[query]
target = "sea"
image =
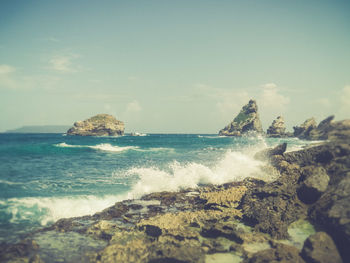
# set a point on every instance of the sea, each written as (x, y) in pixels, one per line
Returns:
(45, 177)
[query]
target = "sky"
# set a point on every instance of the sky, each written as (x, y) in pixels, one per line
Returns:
(173, 66)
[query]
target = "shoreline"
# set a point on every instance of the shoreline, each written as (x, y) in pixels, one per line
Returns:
(242, 221)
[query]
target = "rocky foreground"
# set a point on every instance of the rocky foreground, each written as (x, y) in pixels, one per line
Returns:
(302, 216)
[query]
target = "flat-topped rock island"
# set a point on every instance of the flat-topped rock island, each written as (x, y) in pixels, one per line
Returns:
(98, 125)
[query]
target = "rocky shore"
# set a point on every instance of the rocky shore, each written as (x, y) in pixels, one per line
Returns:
(247, 122)
(303, 215)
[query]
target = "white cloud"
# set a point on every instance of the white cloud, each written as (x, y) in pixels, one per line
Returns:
(6, 69)
(323, 102)
(6, 79)
(133, 107)
(271, 100)
(64, 63)
(227, 101)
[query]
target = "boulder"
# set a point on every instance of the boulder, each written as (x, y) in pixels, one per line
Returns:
(332, 211)
(277, 128)
(246, 121)
(279, 253)
(269, 152)
(315, 182)
(99, 125)
(320, 248)
(303, 131)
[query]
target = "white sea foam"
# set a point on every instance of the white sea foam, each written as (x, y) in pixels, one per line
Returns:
(9, 182)
(65, 145)
(234, 166)
(110, 148)
(50, 209)
(102, 147)
(211, 136)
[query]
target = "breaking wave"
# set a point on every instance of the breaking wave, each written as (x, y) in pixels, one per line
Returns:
(234, 166)
(102, 147)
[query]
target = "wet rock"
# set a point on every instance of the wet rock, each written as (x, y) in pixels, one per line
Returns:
(176, 252)
(303, 131)
(268, 153)
(24, 251)
(320, 248)
(271, 211)
(224, 197)
(99, 125)
(332, 212)
(135, 250)
(153, 231)
(272, 207)
(279, 253)
(277, 128)
(315, 182)
(116, 211)
(246, 121)
(222, 229)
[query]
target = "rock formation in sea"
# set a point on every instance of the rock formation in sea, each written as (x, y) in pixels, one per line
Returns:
(328, 129)
(99, 125)
(246, 121)
(303, 131)
(277, 128)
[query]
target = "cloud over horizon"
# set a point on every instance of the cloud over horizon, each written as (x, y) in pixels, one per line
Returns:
(64, 63)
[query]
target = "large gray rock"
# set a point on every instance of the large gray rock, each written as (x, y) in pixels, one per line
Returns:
(99, 125)
(332, 210)
(278, 253)
(277, 128)
(303, 131)
(320, 248)
(315, 183)
(246, 121)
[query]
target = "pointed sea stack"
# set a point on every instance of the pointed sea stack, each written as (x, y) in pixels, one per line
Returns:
(277, 128)
(246, 121)
(99, 125)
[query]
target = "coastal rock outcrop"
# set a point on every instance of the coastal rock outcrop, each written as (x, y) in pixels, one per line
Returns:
(328, 129)
(246, 121)
(303, 131)
(99, 125)
(277, 128)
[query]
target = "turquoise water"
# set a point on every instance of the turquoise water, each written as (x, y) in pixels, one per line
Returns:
(45, 177)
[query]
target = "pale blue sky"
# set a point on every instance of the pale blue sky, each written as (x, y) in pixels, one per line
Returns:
(172, 66)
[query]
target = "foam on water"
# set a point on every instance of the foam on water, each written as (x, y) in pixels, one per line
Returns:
(102, 147)
(234, 166)
(50, 209)
(9, 182)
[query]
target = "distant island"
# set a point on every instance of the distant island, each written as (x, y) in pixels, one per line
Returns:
(40, 129)
(98, 125)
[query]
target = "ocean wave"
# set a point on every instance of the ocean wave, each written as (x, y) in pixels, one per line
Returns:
(102, 147)
(9, 182)
(211, 136)
(49, 209)
(155, 149)
(234, 166)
